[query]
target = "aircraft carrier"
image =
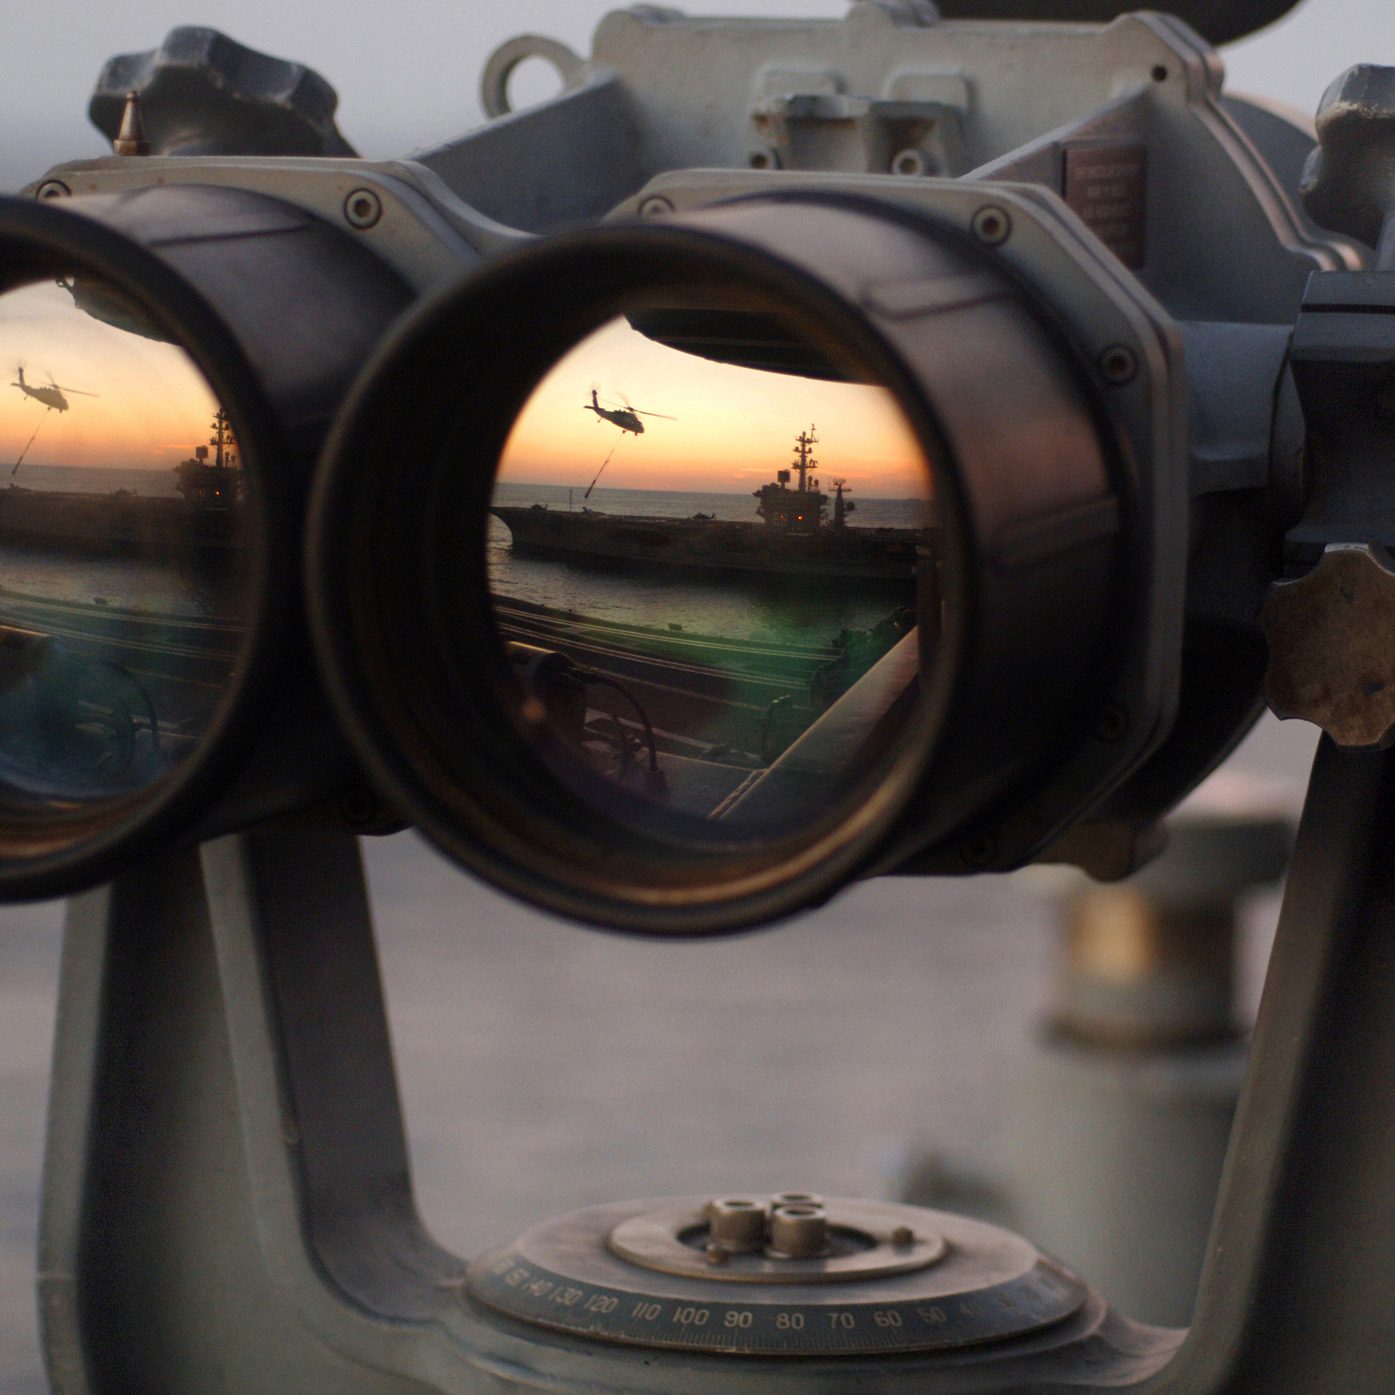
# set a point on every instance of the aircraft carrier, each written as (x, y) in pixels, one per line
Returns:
(802, 532)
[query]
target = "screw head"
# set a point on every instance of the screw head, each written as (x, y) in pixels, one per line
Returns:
(1118, 365)
(655, 206)
(362, 209)
(992, 225)
(52, 189)
(903, 1236)
(763, 158)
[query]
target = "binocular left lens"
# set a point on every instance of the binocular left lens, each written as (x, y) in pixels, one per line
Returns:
(124, 551)
(172, 357)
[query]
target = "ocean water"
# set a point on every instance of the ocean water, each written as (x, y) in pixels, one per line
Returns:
(786, 610)
(160, 483)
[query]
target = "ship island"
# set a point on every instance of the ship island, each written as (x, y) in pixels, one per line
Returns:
(801, 531)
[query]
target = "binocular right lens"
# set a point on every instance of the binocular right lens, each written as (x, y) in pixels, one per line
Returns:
(703, 564)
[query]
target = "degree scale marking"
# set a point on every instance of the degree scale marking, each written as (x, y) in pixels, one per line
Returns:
(522, 1290)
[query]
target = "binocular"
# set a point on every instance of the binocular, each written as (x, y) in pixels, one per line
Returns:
(973, 436)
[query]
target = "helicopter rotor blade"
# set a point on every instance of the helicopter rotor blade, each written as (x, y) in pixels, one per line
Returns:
(663, 416)
(77, 392)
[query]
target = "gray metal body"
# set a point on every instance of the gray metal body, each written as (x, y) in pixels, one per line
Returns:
(227, 1200)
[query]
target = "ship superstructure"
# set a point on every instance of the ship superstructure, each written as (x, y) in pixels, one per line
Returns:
(214, 483)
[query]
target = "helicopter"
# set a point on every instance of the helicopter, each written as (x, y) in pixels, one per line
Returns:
(51, 395)
(627, 418)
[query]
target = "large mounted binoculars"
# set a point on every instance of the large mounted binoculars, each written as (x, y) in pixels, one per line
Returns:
(920, 443)
(664, 667)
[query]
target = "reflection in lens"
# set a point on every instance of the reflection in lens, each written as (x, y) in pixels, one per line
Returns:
(122, 549)
(708, 600)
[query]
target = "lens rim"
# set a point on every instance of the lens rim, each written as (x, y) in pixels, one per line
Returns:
(60, 856)
(675, 890)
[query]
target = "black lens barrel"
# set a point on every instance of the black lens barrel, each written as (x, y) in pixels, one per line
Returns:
(1031, 494)
(277, 310)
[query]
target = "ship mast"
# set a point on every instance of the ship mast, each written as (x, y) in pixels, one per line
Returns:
(804, 460)
(221, 440)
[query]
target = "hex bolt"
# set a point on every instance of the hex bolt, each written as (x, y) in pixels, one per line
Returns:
(992, 225)
(798, 1232)
(903, 1237)
(1118, 365)
(717, 1254)
(735, 1226)
(655, 206)
(52, 189)
(362, 209)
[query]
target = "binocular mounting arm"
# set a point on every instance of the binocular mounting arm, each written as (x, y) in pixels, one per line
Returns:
(226, 1158)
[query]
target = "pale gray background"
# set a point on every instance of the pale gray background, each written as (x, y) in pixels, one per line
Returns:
(890, 1018)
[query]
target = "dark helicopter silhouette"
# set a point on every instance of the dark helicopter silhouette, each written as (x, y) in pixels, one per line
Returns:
(51, 395)
(627, 418)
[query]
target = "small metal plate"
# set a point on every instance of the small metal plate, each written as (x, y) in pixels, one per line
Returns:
(1107, 186)
(986, 1285)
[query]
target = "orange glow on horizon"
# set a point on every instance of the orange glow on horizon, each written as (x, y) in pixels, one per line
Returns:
(734, 426)
(148, 395)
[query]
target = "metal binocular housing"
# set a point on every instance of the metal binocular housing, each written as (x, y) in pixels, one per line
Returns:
(459, 491)
(1023, 317)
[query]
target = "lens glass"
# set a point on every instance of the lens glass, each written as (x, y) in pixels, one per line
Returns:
(713, 563)
(123, 550)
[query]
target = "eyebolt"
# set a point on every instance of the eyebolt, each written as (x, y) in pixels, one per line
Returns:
(655, 206)
(52, 189)
(362, 209)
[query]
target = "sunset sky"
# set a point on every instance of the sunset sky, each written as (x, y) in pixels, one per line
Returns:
(153, 406)
(735, 426)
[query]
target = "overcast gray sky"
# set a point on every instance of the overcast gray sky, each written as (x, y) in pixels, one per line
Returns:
(407, 71)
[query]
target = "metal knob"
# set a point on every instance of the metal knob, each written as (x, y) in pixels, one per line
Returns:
(736, 1225)
(1349, 183)
(1332, 647)
(202, 93)
(798, 1231)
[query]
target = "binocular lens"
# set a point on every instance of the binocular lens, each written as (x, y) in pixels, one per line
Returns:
(702, 564)
(123, 550)
(706, 541)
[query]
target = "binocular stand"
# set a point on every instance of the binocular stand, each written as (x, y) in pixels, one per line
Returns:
(227, 1203)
